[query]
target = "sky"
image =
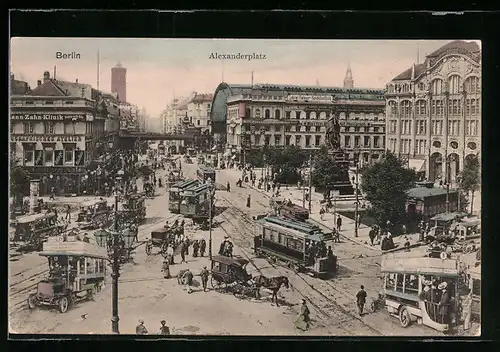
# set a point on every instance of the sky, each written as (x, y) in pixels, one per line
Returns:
(160, 69)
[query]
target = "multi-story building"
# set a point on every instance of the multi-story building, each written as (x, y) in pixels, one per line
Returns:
(56, 130)
(278, 115)
(18, 87)
(198, 111)
(434, 111)
(119, 81)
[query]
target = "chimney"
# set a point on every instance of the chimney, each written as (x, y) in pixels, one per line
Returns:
(46, 76)
(76, 80)
(38, 83)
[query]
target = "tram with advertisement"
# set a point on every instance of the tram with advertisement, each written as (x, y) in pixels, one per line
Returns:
(204, 173)
(413, 288)
(195, 202)
(289, 242)
(175, 194)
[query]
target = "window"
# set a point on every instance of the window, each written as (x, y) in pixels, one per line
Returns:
(268, 114)
(28, 127)
(367, 141)
(411, 284)
(399, 282)
(297, 140)
(420, 107)
(48, 127)
(406, 88)
(437, 86)
(288, 139)
(454, 84)
(437, 107)
(29, 153)
(421, 127)
(277, 140)
(472, 85)
(390, 280)
(11, 127)
(277, 114)
(421, 86)
(317, 140)
(313, 115)
(393, 108)
(48, 155)
(295, 244)
(376, 140)
(393, 126)
(347, 141)
(257, 113)
(308, 141)
(287, 114)
(69, 153)
(198, 122)
(390, 88)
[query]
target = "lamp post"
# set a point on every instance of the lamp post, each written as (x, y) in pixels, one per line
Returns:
(210, 205)
(310, 182)
(458, 179)
(356, 183)
(447, 182)
(116, 242)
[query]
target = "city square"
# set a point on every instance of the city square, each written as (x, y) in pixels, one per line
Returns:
(245, 208)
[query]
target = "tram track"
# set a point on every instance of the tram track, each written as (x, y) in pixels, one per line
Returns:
(329, 309)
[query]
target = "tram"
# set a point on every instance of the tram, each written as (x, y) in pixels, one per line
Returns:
(175, 194)
(289, 242)
(406, 295)
(293, 212)
(204, 173)
(195, 202)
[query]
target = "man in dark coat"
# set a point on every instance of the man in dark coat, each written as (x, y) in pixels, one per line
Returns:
(203, 247)
(141, 329)
(372, 234)
(164, 329)
(183, 252)
(204, 278)
(361, 300)
(444, 303)
(339, 223)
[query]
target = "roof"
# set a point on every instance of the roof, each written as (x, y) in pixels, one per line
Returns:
(183, 184)
(202, 98)
(18, 87)
(48, 89)
(418, 265)
(424, 192)
(447, 216)
(92, 202)
(34, 217)
(293, 227)
(419, 68)
(240, 262)
(472, 47)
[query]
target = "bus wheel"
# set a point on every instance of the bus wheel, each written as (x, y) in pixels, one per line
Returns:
(404, 317)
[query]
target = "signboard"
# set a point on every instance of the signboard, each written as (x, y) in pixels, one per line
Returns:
(34, 192)
(310, 98)
(58, 157)
(45, 117)
(45, 138)
(39, 157)
(79, 157)
(312, 123)
(54, 169)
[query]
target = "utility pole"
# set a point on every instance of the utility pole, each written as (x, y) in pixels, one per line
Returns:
(310, 182)
(210, 205)
(115, 274)
(357, 199)
(447, 181)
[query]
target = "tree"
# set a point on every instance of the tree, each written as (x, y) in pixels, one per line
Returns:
(286, 163)
(325, 172)
(470, 178)
(19, 181)
(385, 184)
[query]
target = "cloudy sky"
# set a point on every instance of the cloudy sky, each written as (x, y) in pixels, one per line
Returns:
(159, 69)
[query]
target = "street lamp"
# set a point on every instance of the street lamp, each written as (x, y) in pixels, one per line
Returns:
(356, 183)
(458, 179)
(211, 188)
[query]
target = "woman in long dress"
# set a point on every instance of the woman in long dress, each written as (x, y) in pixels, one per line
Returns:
(303, 319)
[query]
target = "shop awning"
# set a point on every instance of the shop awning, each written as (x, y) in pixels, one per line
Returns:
(417, 164)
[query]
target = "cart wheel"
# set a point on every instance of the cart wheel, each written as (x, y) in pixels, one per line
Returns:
(32, 301)
(63, 304)
(404, 317)
(163, 249)
(215, 283)
(373, 307)
(149, 246)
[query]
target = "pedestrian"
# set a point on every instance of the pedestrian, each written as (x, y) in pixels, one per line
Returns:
(339, 223)
(141, 329)
(322, 213)
(166, 269)
(52, 193)
(358, 219)
(183, 252)
(222, 247)
(407, 244)
(196, 247)
(170, 254)
(248, 201)
(203, 246)
(372, 234)
(204, 278)
(303, 319)
(444, 302)
(228, 187)
(361, 300)
(68, 213)
(188, 280)
(186, 241)
(164, 329)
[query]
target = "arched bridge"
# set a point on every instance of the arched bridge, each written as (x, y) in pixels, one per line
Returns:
(151, 136)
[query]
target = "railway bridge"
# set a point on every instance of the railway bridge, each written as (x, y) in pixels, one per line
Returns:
(131, 139)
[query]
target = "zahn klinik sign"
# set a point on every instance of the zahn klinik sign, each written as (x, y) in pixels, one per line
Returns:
(46, 117)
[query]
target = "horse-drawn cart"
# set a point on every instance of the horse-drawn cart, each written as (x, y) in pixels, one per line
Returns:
(230, 274)
(160, 238)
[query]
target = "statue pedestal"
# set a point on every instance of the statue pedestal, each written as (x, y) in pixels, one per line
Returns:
(343, 185)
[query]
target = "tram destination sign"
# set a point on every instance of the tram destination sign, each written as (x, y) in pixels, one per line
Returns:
(45, 138)
(46, 117)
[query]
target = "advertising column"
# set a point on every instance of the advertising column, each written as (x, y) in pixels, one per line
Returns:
(34, 192)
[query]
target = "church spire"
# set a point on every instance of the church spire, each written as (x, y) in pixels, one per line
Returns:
(348, 80)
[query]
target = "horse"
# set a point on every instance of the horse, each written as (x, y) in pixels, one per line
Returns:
(272, 283)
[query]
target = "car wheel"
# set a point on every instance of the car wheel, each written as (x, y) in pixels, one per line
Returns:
(404, 317)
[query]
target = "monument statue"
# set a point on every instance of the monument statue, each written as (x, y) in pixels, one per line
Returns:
(332, 136)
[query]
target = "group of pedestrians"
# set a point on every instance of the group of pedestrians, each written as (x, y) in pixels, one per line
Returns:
(141, 329)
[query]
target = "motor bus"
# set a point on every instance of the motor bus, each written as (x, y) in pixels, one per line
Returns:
(204, 173)
(289, 242)
(404, 281)
(195, 201)
(175, 194)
